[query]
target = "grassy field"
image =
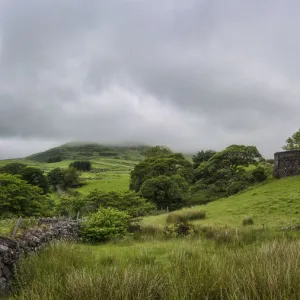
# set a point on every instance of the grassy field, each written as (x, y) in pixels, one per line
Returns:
(273, 204)
(107, 173)
(183, 268)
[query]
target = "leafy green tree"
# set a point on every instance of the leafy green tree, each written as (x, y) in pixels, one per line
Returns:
(104, 225)
(56, 177)
(35, 176)
(224, 173)
(13, 168)
(173, 164)
(157, 151)
(236, 156)
(166, 191)
(54, 159)
(130, 202)
(20, 198)
(71, 177)
(202, 156)
(81, 165)
(293, 142)
(72, 206)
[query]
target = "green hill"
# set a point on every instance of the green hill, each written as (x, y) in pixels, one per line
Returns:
(111, 165)
(273, 204)
(79, 151)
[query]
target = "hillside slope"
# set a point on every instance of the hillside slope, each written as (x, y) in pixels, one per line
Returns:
(273, 204)
(73, 151)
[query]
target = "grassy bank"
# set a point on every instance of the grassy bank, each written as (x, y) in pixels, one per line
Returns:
(273, 204)
(166, 269)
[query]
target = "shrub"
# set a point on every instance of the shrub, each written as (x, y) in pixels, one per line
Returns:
(179, 229)
(259, 174)
(248, 221)
(104, 225)
(54, 159)
(185, 216)
(81, 165)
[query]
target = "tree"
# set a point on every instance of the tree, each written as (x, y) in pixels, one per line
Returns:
(165, 192)
(130, 202)
(18, 197)
(157, 151)
(234, 157)
(71, 177)
(224, 173)
(202, 156)
(72, 206)
(293, 142)
(54, 159)
(56, 177)
(13, 168)
(81, 165)
(35, 176)
(105, 224)
(173, 164)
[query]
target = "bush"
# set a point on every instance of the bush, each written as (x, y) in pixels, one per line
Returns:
(259, 174)
(104, 225)
(248, 221)
(185, 216)
(179, 229)
(54, 159)
(81, 165)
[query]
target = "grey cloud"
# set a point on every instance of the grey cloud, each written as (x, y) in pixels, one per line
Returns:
(190, 74)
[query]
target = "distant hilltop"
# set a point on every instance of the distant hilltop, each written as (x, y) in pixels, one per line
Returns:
(77, 151)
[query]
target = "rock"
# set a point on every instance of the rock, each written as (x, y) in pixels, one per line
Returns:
(31, 241)
(3, 248)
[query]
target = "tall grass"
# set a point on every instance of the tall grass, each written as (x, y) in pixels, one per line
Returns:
(174, 269)
(185, 215)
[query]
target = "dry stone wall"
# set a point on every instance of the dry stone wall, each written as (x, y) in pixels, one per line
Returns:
(11, 250)
(287, 163)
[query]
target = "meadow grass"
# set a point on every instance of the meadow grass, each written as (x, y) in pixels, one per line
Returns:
(185, 215)
(273, 204)
(182, 268)
(108, 174)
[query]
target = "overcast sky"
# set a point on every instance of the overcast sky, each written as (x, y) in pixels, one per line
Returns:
(188, 74)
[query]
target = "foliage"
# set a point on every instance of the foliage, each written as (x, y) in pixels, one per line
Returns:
(157, 151)
(71, 177)
(72, 206)
(174, 164)
(32, 175)
(130, 202)
(293, 142)
(106, 224)
(56, 177)
(54, 159)
(35, 176)
(14, 168)
(17, 197)
(259, 174)
(81, 165)
(179, 229)
(167, 192)
(224, 174)
(202, 156)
